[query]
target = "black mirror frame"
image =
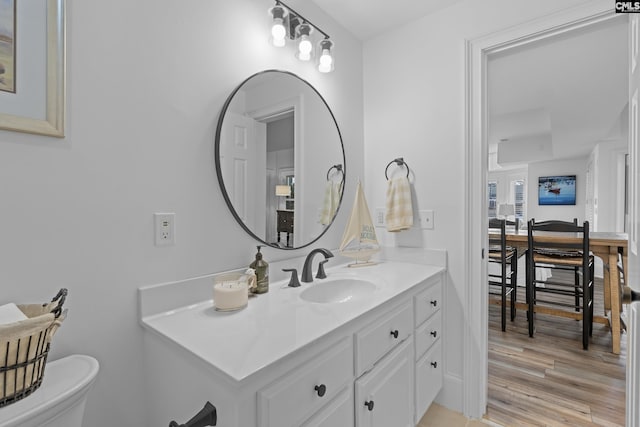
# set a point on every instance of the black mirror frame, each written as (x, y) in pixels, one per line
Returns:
(219, 169)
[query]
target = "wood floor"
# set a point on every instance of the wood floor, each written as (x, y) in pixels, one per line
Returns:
(549, 380)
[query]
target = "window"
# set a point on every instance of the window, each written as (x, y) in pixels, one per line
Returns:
(519, 198)
(493, 199)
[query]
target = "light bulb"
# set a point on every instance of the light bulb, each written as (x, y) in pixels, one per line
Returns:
(278, 32)
(326, 59)
(325, 62)
(305, 46)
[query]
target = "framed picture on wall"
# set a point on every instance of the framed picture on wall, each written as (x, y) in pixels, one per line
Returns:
(557, 190)
(32, 56)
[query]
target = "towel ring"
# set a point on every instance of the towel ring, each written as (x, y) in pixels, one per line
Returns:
(400, 162)
(338, 168)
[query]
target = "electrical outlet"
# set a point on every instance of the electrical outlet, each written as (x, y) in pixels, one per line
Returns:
(425, 219)
(379, 219)
(165, 229)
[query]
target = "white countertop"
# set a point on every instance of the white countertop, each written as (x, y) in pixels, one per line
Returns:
(279, 322)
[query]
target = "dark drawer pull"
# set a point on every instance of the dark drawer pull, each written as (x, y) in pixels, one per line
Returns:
(395, 333)
(434, 333)
(321, 389)
(369, 405)
(434, 364)
(434, 303)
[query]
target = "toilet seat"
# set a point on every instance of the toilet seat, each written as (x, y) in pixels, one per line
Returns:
(65, 382)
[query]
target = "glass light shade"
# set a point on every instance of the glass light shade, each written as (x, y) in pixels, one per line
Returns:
(325, 62)
(278, 32)
(305, 46)
(303, 56)
(283, 190)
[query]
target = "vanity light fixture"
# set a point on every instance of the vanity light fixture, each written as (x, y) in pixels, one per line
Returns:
(286, 21)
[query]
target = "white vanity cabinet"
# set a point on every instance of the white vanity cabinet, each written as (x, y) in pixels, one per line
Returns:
(384, 395)
(428, 356)
(291, 400)
(381, 367)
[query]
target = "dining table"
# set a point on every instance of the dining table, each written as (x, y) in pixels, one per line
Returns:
(607, 246)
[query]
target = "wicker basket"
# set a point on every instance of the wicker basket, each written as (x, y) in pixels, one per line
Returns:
(24, 347)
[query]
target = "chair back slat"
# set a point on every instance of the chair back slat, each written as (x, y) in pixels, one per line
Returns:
(543, 235)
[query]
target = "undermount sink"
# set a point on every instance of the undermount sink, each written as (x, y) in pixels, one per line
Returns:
(339, 290)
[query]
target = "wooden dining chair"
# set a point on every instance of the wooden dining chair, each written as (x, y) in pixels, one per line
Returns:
(548, 247)
(505, 259)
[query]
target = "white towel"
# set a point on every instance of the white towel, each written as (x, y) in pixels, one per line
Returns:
(10, 313)
(331, 201)
(399, 215)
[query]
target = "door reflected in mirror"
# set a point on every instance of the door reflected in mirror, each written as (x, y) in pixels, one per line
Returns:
(280, 159)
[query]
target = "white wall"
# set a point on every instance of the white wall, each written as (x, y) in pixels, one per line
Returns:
(414, 88)
(609, 170)
(145, 83)
(577, 167)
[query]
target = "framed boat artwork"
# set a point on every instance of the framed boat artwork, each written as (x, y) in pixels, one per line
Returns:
(32, 66)
(557, 190)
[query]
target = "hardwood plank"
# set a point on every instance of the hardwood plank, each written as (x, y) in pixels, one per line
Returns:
(549, 380)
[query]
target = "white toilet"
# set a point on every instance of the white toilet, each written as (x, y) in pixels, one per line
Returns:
(60, 400)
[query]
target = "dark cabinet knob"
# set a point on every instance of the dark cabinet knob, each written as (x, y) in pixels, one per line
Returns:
(321, 389)
(395, 333)
(369, 405)
(434, 303)
(434, 364)
(434, 333)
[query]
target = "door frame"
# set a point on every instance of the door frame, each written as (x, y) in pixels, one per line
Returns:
(475, 358)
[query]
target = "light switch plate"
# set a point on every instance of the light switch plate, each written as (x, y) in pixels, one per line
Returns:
(425, 219)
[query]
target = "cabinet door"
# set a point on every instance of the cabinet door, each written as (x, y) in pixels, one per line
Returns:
(384, 396)
(428, 379)
(337, 413)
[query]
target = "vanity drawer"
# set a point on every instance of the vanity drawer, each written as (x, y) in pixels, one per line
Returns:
(428, 334)
(428, 379)
(428, 302)
(291, 400)
(382, 336)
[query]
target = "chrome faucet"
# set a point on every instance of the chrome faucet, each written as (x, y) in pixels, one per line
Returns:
(307, 275)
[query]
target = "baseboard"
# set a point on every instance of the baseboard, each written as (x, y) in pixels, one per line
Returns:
(451, 395)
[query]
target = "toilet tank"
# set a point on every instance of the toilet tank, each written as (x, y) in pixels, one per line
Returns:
(60, 400)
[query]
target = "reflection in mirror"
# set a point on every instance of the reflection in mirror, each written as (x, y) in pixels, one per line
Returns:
(280, 159)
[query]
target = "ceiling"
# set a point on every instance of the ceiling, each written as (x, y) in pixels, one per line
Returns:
(369, 18)
(551, 99)
(558, 98)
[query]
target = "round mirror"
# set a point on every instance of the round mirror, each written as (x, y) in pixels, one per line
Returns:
(280, 159)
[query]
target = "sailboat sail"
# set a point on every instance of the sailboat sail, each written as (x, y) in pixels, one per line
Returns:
(359, 239)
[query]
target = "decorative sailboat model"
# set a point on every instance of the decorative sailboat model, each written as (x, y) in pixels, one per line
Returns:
(359, 239)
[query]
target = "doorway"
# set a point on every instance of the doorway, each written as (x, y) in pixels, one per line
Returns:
(478, 52)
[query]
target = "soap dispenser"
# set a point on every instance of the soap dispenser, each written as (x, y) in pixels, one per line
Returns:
(261, 267)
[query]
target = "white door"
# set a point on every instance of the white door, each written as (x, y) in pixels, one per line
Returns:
(243, 159)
